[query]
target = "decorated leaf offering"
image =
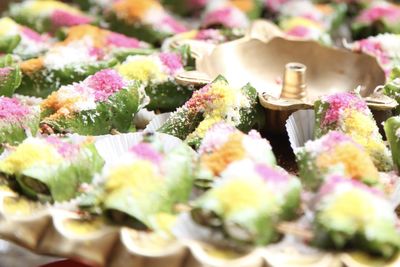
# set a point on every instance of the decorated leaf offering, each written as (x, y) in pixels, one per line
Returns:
(351, 215)
(102, 103)
(47, 15)
(17, 121)
(143, 183)
(61, 65)
(378, 17)
(335, 153)
(216, 102)
(85, 50)
(156, 73)
(224, 145)
(348, 113)
(51, 169)
(10, 75)
(248, 202)
(21, 40)
(383, 47)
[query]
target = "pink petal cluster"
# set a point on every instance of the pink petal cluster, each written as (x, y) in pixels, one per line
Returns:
(340, 102)
(224, 16)
(147, 152)
(374, 48)
(66, 149)
(210, 35)
(200, 99)
(299, 31)
(173, 24)
(216, 137)
(5, 72)
(32, 35)
(105, 83)
(12, 110)
(389, 13)
(270, 174)
(334, 181)
(120, 40)
(172, 61)
(97, 52)
(61, 18)
(333, 138)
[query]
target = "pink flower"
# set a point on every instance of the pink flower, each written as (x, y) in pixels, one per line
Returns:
(32, 35)
(334, 181)
(5, 71)
(120, 40)
(147, 152)
(340, 102)
(299, 31)
(172, 61)
(105, 83)
(200, 99)
(389, 13)
(270, 174)
(61, 18)
(226, 16)
(333, 138)
(217, 135)
(12, 110)
(173, 24)
(66, 149)
(96, 52)
(210, 35)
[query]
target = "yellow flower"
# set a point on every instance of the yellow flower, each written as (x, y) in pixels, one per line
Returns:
(140, 174)
(291, 23)
(7, 25)
(142, 69)
(363, 130)
(29, 154)
(225, 103)
(238, 194)
(48, 6)
(351, 205)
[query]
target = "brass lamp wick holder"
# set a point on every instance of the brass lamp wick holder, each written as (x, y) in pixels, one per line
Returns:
(294, 81)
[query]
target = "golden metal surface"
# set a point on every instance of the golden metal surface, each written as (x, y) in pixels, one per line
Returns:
(329, 70)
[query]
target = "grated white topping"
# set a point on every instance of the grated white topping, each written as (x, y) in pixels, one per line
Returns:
(74, 54)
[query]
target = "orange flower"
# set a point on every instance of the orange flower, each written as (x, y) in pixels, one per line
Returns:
(80, 32)
(134, 10)
(356, 162)
(231, 151)
(61, 109)
(244, 5)
(32, 65)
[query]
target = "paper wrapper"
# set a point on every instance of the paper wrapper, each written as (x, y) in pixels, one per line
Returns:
(157, 122)
(300, 128)
(111, 147)
(143, 118)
